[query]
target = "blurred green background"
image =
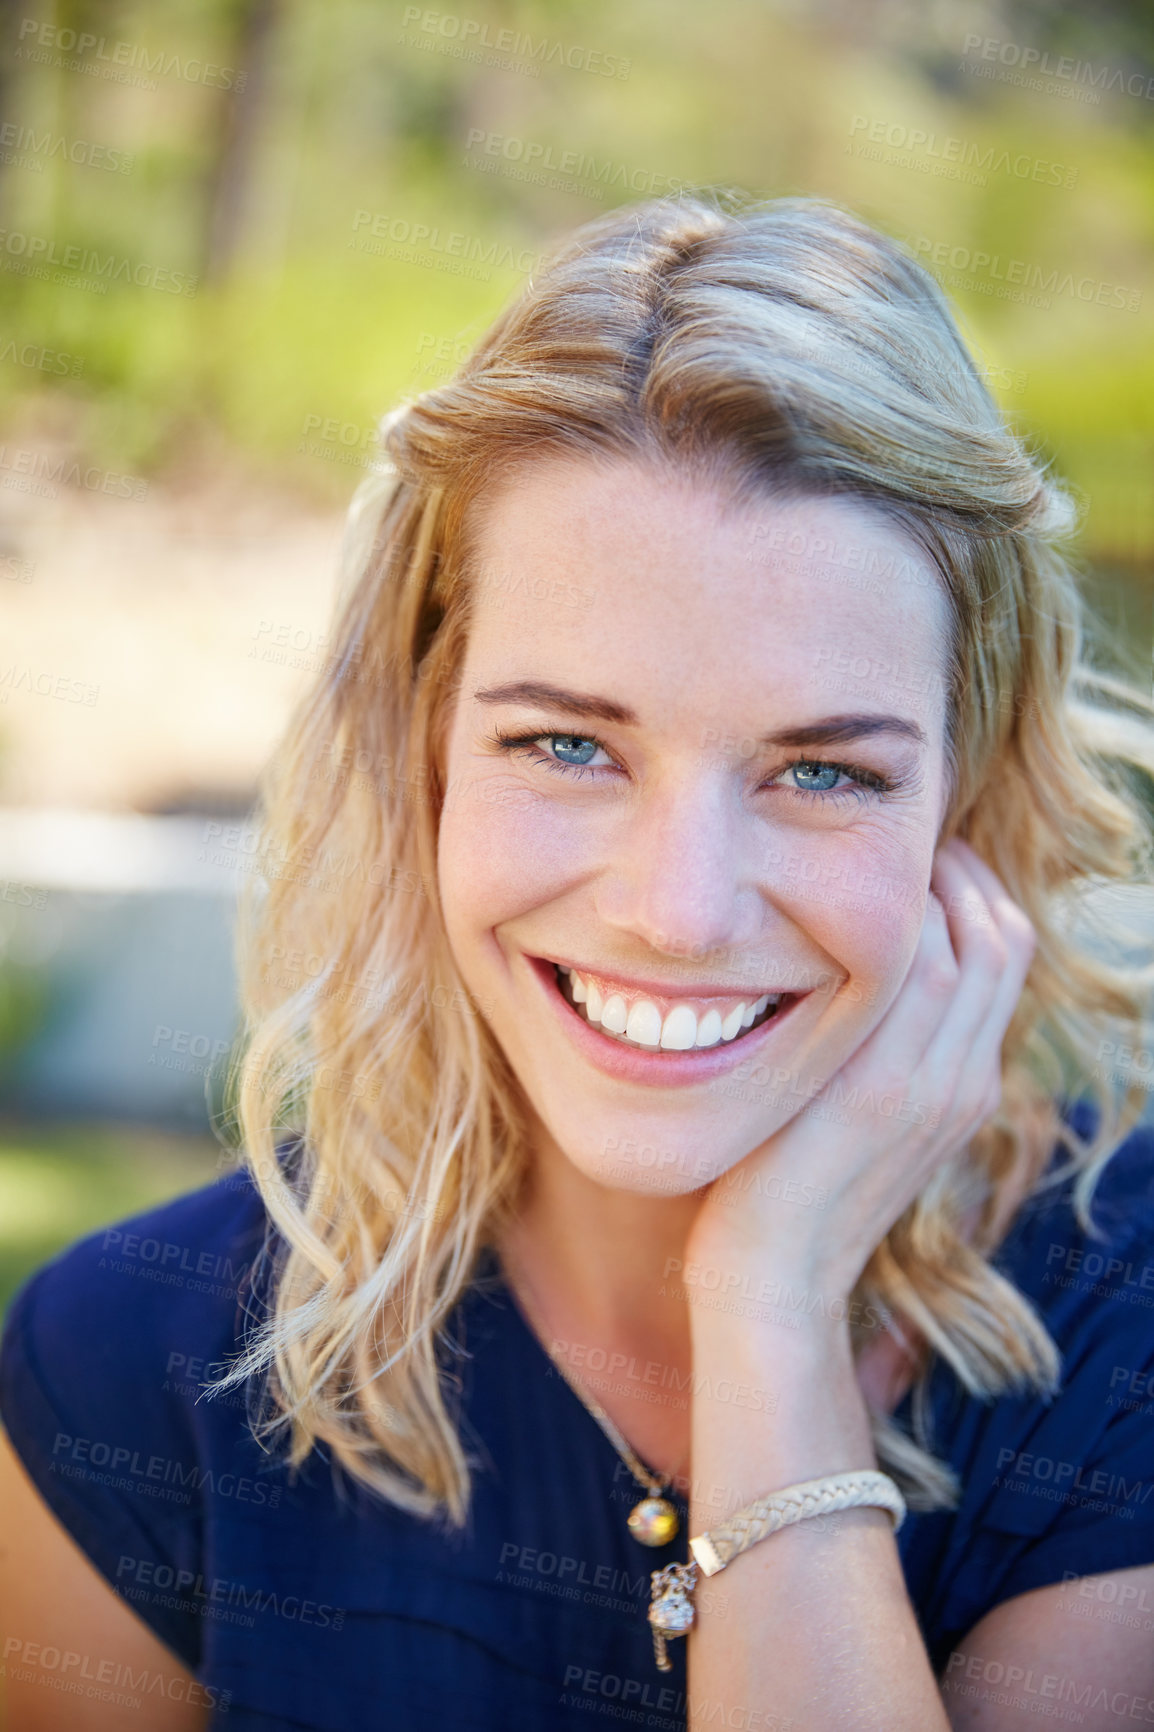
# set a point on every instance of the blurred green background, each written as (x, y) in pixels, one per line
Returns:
(234, 232)
(60, 1182)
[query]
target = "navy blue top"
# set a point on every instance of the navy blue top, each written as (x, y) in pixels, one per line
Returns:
(312, 1604)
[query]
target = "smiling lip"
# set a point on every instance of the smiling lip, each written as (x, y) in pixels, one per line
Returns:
(660, 1067)
(673, 992)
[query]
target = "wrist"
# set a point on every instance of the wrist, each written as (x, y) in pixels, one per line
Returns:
(800, 1338)
(812, 1420)
(739, 1258)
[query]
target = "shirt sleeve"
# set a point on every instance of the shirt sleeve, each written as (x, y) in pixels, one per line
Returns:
(1107, 1519)
(82, 1404)
(1094, 1468)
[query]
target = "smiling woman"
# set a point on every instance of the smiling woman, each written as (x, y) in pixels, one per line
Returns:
(689, 1118)
(698, 858)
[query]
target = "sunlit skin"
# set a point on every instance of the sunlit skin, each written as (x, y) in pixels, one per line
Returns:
(682, 854)
(688, 857)
(693, 851)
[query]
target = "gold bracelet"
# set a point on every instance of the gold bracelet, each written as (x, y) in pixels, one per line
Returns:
(671, 1612)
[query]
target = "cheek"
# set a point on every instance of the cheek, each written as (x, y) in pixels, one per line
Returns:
(887, 940)
(501, 852)
(866, 908)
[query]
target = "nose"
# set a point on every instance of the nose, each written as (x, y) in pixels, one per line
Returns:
(681, 873)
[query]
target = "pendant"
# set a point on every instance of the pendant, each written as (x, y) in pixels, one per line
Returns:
(671, 1611)
(653, 1521)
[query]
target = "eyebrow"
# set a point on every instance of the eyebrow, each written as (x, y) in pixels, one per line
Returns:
(833, 731)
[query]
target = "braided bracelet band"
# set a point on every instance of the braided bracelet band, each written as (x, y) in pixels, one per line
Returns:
(812, 1497)
(672, 1612)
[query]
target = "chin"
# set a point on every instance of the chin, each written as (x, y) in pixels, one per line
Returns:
(657, 1162)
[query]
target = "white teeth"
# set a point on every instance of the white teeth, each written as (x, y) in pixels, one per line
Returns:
(681, 1030)
(644, 1025)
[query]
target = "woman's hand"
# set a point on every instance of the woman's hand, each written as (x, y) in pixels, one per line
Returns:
(937, 1051)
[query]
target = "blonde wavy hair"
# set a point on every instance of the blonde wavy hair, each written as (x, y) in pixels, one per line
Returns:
(780, 344)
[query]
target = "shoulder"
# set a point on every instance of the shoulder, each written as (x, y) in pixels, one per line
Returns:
(1094, 1290)
(103, 1354)
(1067, 1268)
(135, 1303)
(1059, 1486)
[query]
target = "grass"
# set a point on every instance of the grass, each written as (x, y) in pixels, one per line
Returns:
(60, 1182)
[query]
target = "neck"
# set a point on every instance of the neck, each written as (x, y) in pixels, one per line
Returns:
(596, 1259)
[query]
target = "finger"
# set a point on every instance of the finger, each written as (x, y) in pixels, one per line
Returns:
(958, 886)
(986, 1056)
(964, 1055)
(1010, 915)
(897, 1046)
(1011, 920)
(951, 1057)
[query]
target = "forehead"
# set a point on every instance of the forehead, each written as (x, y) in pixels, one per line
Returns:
(652, 580)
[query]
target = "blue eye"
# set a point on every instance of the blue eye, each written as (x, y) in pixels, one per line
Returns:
(574, 752)
(579, 745)
(809, 767)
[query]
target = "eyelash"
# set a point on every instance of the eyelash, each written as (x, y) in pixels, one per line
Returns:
(868, 784)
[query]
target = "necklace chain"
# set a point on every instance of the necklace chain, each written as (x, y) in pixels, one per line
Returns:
(654, 1483)
(653, 1522)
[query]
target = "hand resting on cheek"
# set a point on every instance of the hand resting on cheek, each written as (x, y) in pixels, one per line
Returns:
(937, 1047)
